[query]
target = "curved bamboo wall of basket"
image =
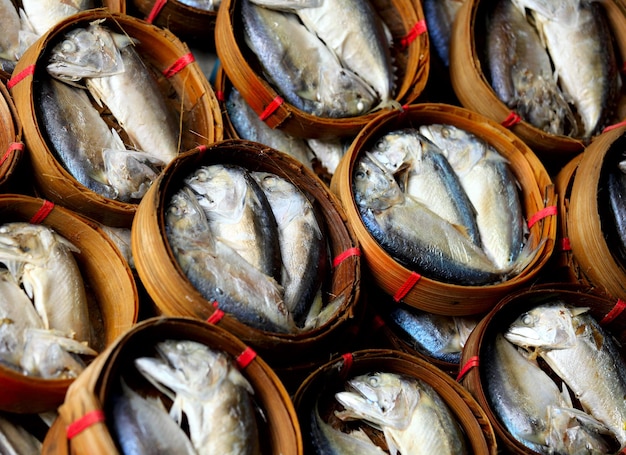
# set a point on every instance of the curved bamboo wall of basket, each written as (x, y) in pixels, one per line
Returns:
(239, 63)
(201, 116)
(474, 91)
(11, 146)
(280, 432)
(537, 192)
(330, 377)
(174, 295)
(109, 282)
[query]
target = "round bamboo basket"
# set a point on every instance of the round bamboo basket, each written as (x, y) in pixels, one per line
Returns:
(592, 249)
(110, 287)
(404, 19)
(279, 428)
(502, 316)
(187, 92)
(330, 378)
(474, 91)
(11, 145)
(537, 193)
(173, 293)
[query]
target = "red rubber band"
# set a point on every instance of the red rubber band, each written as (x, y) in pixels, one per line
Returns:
(28, 71)
(156, 9)
(84, 422)
(42, 213)
(219, 94)
(245, 358)
(13, 147)
(377, 323)
(618, 309)
(418, 29)
(179, 65)
(541, 214)
(612, 127)
(511, 120)
(471, 363)
(565, 244)
(271, 108)
(346, 366)
(407, 286)
(354, 251)
(216, 316)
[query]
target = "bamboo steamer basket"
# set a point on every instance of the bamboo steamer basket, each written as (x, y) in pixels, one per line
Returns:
(474, 91)
(603, 309)
(11, 145)
(407, 25)
(110, 287)
(537, 195)
(279, 430)
(591, 249)
(329, 378)
(186, 90)
(173, 293)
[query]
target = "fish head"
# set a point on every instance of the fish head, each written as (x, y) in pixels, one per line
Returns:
(87, 52)
(185, 216)
(345, 93)
(397, 149)
(547, 326)
(374, 186)
(461, 148)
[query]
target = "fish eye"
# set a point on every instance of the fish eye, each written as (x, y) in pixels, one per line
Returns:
(373, 381)
(527, 319)
(360, 175)
(68, 46)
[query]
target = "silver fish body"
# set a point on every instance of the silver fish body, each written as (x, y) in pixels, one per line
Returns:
(249, 126)
(205, 5)
(303, 69)
(411, 414)
(207, 388)
(328, 152)
(117, 77)
(577, 36)
(10, 37)
(302, 243)
(521, 72)
(578, 350)
(142, 425)
(43, 15)
(16, 440)
(43, 262)
(440, 15)
(130, 172)
(414, 235)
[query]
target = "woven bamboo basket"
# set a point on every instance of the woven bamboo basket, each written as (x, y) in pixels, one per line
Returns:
(509, 308)
(330, 378)
(592, 249)
(537, 194)
(187, 91)
(11, 145)
(405, 20)
(109, 283)
(474, 91)
(279, 428)
(173, 293)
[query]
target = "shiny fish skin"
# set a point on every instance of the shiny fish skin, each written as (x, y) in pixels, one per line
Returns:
(411, 414)
(521, 72)
(413, 234)
(565, 336)
(303, 69)
(616, 195)
(124, 85)
(9, 38)
(16, 440)
(302, 243)
(440, 15)
(43, 15)
(577, 36)
(207, 388)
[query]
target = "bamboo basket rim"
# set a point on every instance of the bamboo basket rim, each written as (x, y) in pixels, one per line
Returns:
(11, 156)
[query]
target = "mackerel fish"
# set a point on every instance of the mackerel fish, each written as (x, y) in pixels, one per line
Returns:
(578, 38)
(412, 416)
(305, 71)
(118, 78)
(440, 15)
(582, 354)
(521, 71)
(42, 15)
(206, 387)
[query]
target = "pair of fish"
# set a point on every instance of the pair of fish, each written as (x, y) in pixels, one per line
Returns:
(409, 412)
(44, 312)
(444, 202)
(553, 63)
(579, 352)
(250, 241)
(206, 390)
(116, 77)
(329, 59)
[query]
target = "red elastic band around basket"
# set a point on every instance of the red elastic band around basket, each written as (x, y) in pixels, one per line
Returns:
(471, 363)
(541, 214)
(84, 422)
(178, 65)
(612, 127)
(565, 245)
(13, 147)
(354, 251)
(216, 316)
(271, 108)
(511, 120)
(618, 309)
(28, 71)
(156, 9)
(406, 287)
(348, 360)
(246, 357)
(42, 213)
(418, 29)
